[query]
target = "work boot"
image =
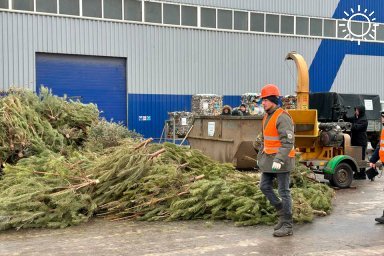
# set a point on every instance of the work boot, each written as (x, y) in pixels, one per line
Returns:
(279, 211)
(380, 219)
(286, 228)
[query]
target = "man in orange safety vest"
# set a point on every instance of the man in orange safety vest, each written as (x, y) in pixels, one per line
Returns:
(276, 158)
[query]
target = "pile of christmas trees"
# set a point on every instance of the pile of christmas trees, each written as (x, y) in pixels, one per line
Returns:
(45, 191)
(63, 165)
(43, 181)
(167, 182)
(31, 124)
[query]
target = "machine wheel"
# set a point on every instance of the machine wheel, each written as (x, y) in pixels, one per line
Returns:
(343, 176)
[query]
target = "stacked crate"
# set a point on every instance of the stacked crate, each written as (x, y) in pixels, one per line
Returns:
(253, 103)
(207, 104)
(289, 102)
(181, 122)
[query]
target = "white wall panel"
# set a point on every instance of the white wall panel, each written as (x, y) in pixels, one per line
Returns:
(360, 74)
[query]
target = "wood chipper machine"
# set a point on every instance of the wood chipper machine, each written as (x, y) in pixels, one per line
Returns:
(323, 147)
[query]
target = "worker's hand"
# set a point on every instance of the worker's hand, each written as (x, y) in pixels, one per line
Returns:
(276, 166)
(372, 165)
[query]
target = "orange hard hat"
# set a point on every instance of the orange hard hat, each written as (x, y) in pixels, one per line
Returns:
(270, 90)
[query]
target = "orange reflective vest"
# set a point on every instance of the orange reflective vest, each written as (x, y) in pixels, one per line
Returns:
(381, 151)
(272, 141)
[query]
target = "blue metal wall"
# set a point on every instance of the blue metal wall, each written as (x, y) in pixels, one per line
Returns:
(100, 80)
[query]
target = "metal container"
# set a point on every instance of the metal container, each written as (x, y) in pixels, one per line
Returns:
(227, 139)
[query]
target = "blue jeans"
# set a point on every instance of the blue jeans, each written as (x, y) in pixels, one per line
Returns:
(266, 187)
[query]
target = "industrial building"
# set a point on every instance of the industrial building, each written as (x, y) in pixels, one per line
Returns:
(138, 60)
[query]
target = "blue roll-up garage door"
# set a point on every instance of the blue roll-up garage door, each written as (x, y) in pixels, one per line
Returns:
(100, 80)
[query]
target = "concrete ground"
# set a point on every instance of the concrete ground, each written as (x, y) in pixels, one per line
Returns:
(349, 230)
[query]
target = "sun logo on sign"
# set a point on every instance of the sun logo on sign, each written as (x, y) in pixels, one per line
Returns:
(367, 32)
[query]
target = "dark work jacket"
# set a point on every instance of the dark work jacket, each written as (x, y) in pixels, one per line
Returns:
(359, 127)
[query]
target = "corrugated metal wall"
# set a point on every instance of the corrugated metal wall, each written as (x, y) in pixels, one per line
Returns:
(366, 72)
(161, 60)
(181, 61)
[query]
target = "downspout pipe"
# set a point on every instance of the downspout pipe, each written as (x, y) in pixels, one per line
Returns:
(302, 89)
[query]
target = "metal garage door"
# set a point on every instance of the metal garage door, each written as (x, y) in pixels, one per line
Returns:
(100, 80)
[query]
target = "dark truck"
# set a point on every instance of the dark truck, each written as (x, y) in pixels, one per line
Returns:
(332, 106)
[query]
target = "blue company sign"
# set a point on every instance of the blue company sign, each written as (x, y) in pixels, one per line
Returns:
(331, 53)
(144, 118)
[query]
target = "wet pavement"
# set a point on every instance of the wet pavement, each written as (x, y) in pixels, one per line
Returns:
(349, 230)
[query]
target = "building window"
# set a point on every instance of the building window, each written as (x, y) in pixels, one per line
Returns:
(366, 29)
(152, 12)
(188, 16)
(132, 10)
(316, 27)
(208, 17)
(287, 24)
(240, 20)
(24, 5)
(329, 28)
(4, 4)
(171, 14)
(342, 30)
(302, 26)
(92, 8)
(112, 9)
(46, 6)
(224, 19)
(380, 33)
(70, 7)
(272, 23)
(257, 22)
(369, 31)
(357, 28)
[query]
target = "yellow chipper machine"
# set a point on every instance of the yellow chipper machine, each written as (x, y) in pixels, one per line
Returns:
(323, 147)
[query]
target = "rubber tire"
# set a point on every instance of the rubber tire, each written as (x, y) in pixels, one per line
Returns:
(343, 176)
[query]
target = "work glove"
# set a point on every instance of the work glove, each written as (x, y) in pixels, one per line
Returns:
(276, 166)
(372, 165)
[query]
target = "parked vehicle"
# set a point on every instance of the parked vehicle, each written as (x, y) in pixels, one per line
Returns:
(332, 106)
